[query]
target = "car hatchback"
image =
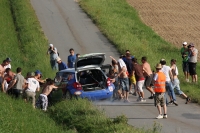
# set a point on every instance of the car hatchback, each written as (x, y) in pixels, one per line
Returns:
(87, 78)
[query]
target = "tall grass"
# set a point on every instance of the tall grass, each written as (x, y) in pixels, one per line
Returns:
(121, 24)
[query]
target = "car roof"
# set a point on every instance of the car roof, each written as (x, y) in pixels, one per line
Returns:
(72, 70)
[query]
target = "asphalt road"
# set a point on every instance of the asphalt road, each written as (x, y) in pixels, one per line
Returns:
(67, 26)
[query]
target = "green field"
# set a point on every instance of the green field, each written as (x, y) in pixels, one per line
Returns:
(120, 23)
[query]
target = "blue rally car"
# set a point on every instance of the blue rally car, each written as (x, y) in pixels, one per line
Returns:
(87, 79)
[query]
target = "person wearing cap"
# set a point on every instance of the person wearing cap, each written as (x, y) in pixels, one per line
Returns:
(32, 87)
(169, 79)
(185, 66)
(38, 76)
(193, 54)
(71, 58)
(159, 80)
(53, 56)
(8, 60)
(61, 65)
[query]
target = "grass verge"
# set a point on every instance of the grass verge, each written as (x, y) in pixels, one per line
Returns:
(21, 37)
(120, 23)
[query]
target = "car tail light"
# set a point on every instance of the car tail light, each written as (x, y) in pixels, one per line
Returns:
(77, 86)
(108, 82)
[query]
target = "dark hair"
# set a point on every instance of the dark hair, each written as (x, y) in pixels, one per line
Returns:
(4, 61)
(162, 62)
(48, 80)
(127, 51)
(19, 70)
(71, 49)
(144, 58)
(114, 62)
(121, 56)
(7, 70)
(77, 54)
(51, 82)
(134, 60)
(173, 60)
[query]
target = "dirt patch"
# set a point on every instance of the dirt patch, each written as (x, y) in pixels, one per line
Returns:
(174, 20)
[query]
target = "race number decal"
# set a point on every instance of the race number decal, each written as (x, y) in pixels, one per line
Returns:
(110, 88)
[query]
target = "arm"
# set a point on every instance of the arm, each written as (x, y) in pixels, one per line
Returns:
(113, 59)
(12, 84)
(3, 83)
(122, 70)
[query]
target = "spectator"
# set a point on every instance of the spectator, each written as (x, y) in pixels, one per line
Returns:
(138, 72)
(148, 76)
(17, 84)
(159, 88)
(129, 66)
(176, 82)
(77, 55)
(123, 78)
(8, 77)
(8, 60)
(193, 52)
(53, 56)
(42, 101)
(32, 87)
(61, 65)
(185, 66)
(71, 58)
(2, 70)
(167, 71)
(38, 77)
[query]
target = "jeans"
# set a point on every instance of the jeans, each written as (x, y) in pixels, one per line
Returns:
(54, 64)
(17, 92)
(177, 86)
(124, 82)
(170, 90)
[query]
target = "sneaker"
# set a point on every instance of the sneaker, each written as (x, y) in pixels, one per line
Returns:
(130, 92)
(139, 99)
(135, 94)
(174, 102)
(143, 100)
(126, 101)
(187, 100)
(151, 97)
(170, 102)
(159, 117)
(165, 116)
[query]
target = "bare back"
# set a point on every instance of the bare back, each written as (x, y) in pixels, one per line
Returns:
(147, 68)
(48, 89)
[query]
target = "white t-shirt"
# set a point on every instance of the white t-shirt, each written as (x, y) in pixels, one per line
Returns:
(33, 84)
(166, 69)
(7, 66)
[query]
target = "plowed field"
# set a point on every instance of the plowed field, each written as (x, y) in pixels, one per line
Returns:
(174, 20)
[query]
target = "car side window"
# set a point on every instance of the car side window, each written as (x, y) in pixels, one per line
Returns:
(64, 77)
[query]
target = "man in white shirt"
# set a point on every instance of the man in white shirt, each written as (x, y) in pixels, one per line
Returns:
(167, 71)
(32, 87)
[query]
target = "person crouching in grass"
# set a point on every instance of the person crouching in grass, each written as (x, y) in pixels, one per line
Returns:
(42, 101)
(159, 89)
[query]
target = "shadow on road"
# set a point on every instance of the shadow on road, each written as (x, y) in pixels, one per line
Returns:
(191, 116)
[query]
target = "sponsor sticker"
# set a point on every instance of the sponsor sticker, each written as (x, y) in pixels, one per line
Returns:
(110, 88)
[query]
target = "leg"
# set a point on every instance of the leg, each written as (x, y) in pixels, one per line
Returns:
(159, 109)
(165, 109)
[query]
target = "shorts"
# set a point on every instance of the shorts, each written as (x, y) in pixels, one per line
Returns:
(132, 80)
(42, 102)
(160, 99)
(139, 85)
(185, 67)
(192, 68)
(124, 82)
(148, 81)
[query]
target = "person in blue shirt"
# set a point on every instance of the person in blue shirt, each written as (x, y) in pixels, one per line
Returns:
(61, 65)
(71, 58)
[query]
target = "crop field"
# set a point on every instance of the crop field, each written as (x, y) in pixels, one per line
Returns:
(174, 20)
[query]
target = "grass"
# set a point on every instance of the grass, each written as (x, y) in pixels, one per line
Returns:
(21, 38)
(19, 117)
(120, 23)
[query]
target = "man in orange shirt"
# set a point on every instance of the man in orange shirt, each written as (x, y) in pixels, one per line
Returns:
(159, 89)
